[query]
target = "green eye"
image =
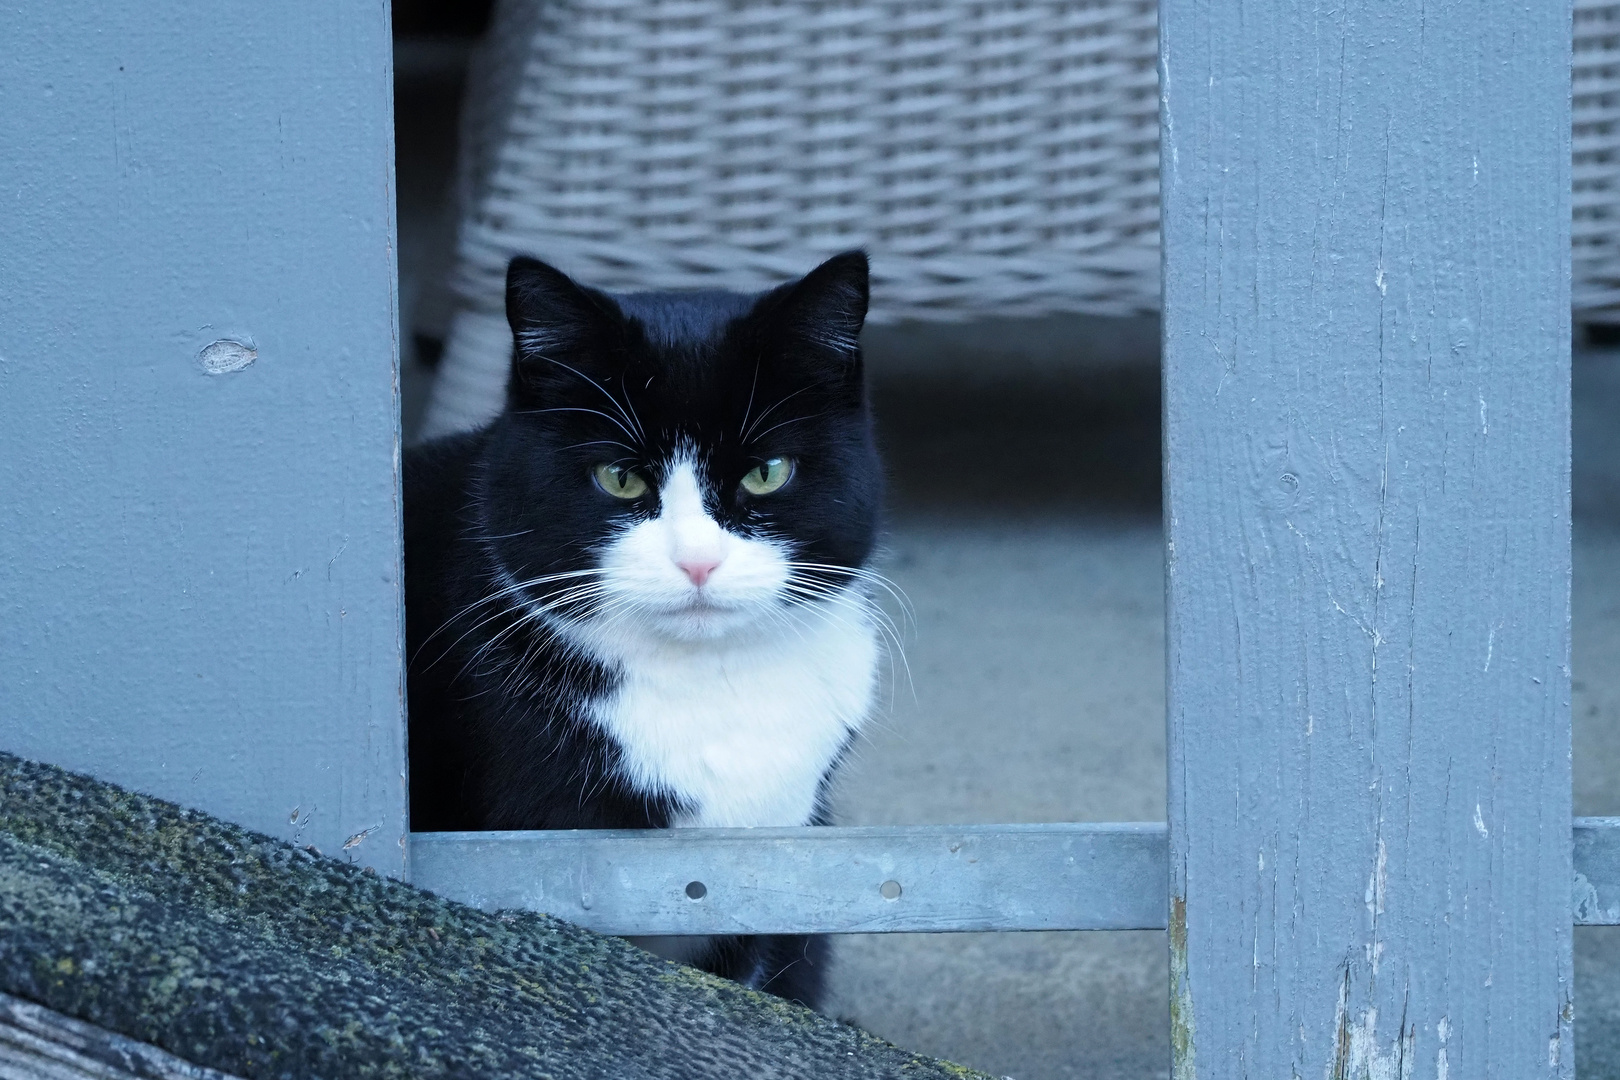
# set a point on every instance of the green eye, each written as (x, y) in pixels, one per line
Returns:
(768, 476)
(620, 481)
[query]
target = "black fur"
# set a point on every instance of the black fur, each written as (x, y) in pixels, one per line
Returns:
(498, 739)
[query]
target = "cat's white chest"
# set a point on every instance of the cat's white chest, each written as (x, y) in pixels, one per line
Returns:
(742, 732)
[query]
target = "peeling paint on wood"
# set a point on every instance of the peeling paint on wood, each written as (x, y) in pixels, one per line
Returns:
(1183, 1026)
(1596, 896)
(1367, 508)
(224, 357)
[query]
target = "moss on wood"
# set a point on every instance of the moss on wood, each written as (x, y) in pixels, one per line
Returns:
(242, 953)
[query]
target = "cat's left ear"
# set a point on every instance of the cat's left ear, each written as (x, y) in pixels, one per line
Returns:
(549, 312)
(821, 314)
(559, 328)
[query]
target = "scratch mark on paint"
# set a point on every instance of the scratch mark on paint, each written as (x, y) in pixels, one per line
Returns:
(333, 560)
(359, 838)
(1442, 1060)
(1479, 822)
(1566, 1025)
(1484, 427)
(1377, 881)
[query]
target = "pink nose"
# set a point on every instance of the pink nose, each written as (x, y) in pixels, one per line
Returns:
(698, 570)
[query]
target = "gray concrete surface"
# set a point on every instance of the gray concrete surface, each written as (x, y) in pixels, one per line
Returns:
(1024, 463)
(1024, 472)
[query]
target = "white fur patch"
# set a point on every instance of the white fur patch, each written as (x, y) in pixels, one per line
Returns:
(730, 698)
(644, 572)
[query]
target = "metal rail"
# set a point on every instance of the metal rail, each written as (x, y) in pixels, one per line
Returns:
(905, 879)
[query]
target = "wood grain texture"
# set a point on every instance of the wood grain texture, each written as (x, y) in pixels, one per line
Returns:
(200, 543)
(1366, 222)
(37, 1043)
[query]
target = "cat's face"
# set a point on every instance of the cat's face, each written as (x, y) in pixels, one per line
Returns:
(690, 466)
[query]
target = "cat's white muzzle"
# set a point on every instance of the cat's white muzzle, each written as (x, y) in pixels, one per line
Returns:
(682, 575)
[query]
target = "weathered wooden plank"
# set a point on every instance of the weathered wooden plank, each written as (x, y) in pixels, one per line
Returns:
(264, 960)
(37, 1043)
(814, 880)
(199, 531)
(1366, 228)
(978, 877)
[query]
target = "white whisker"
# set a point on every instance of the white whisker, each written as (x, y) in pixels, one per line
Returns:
(629, 416)
(509, 589)
(761, 418)
(785, 423)
(592, 412)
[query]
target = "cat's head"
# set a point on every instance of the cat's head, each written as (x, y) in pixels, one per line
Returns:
(691, 465)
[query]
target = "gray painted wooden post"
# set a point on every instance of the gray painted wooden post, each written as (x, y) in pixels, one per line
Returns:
(199, 538)
(1366, 227)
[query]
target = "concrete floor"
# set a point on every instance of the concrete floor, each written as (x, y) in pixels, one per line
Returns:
(1026, 532)
(1025, 475)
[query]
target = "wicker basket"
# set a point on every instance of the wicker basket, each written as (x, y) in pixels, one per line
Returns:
(997, 157)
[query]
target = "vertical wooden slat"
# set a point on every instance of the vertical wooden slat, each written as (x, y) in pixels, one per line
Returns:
(200, 560)
(1366, 222)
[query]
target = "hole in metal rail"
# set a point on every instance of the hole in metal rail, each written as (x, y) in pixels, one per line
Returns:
(890, 890)
(696, 890)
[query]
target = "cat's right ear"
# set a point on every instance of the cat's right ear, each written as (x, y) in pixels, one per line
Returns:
(554, 319)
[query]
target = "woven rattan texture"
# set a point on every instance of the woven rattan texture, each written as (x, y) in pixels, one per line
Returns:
(996, 157)
(1595, 173)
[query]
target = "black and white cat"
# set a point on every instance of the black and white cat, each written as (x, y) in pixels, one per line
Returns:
(639, 598)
